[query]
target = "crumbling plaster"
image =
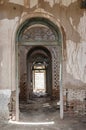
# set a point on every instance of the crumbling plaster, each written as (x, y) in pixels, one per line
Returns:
(4, 100)
(36, 2)
(71, 18)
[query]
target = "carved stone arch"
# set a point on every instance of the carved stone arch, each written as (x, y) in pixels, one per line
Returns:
(51, 23)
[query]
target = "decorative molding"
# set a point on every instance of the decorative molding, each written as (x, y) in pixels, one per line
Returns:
(38, 33)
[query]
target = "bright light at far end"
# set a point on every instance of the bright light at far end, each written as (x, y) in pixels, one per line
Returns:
(31, 123)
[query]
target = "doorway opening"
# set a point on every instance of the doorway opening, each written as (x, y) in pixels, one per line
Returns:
(39, 72)
(39, 79)
(38, 67)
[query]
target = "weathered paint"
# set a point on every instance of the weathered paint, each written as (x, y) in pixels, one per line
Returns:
(20, 2)
(76, 62)
(71, 17)
(4, 101)
(7, 54)
(61, 2)
(81, 28)
(35, 2)
(73, 21)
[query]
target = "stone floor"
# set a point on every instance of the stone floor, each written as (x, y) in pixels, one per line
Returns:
(43, 114)
(69, 123)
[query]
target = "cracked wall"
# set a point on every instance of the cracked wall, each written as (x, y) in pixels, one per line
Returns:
(73, 22)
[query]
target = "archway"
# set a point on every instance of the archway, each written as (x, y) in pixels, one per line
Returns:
(39, 61)
(40, 41)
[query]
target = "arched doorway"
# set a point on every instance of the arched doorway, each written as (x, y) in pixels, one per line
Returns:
(38, 46)
(39, 71)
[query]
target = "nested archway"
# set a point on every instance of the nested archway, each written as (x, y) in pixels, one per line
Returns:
(32, 34)
(39, 56)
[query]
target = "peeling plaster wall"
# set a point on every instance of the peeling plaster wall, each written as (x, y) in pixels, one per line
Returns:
(51, 2)
(76, 63)
(4, 100)
(7, 53)
(20, 2)
(73, 22)
(62, 2)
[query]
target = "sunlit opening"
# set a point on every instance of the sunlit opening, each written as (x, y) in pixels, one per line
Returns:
(32, 123)
(39, 79)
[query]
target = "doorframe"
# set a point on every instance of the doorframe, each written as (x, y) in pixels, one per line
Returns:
(17, 68)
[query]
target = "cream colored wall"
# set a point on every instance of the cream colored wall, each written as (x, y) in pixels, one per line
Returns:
(7, 53)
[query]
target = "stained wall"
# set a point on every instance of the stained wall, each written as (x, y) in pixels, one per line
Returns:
(72, 20)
